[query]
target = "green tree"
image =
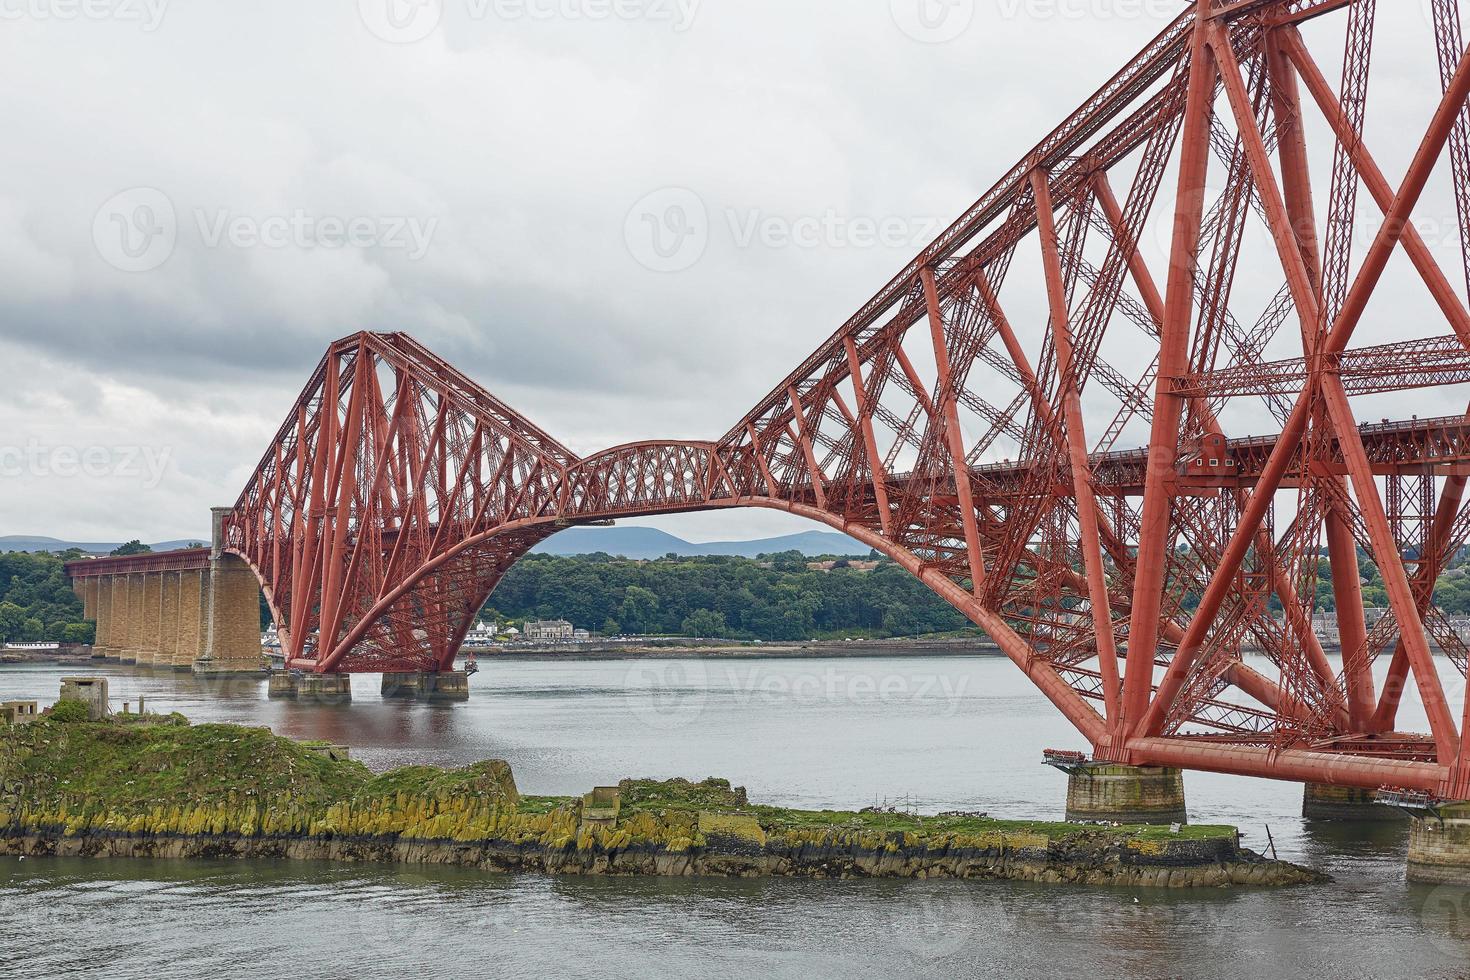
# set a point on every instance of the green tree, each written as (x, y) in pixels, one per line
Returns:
(639, 612)
(12, 622)
(703, 623)
(133, 547)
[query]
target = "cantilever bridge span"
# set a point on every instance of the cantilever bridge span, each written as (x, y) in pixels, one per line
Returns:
(1210, 246)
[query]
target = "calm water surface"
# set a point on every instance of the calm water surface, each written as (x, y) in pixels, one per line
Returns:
(933, 733)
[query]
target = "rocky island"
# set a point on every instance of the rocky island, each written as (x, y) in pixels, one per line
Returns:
(157, 786)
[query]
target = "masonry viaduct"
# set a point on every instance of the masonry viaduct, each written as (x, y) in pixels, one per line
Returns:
(196, 610)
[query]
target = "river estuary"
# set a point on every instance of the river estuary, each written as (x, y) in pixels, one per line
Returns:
(932, 733)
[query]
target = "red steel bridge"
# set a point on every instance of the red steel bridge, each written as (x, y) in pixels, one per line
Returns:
(1188, 257)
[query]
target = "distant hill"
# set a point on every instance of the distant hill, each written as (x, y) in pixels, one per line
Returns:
(36, 542)
(650, 542)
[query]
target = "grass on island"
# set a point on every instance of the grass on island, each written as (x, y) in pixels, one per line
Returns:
(160, 772)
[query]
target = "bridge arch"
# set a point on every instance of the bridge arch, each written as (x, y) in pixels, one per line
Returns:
(932, 426)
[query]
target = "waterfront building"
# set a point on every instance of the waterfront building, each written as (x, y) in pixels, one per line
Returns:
(550, 631)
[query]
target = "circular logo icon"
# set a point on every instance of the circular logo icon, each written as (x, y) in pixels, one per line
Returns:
(933, 21)
(938, 924)
(397, 917)
(668, 230)
(1446, 917)
(401, 21)
(136, 230)
(667, 695)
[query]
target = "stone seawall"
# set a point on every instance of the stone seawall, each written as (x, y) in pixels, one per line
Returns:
(1175, 864)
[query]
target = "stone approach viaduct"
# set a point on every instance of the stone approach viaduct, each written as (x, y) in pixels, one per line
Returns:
(196, 610)
(967, 422)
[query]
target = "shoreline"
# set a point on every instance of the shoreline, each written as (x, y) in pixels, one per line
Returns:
(78, 782)
(678, 649)
(1213, 863)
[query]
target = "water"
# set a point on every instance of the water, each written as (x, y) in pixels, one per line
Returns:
(938, 733)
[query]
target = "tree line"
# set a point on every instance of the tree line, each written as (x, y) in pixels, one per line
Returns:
(774, 597)
(36, 600)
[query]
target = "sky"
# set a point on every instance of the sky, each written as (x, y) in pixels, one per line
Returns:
(199, 197)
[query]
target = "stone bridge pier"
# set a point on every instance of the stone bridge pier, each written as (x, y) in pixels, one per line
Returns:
(197, 609)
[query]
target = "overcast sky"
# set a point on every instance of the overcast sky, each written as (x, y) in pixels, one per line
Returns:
(476, 172)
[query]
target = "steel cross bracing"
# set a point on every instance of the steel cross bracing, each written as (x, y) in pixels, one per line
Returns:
(1155, 273)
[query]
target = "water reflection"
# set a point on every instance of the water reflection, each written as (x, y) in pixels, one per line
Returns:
(566, 726)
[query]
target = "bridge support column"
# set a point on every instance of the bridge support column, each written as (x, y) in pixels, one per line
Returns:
(1125, 794)
(103, 645)
(193, 618)
(1324, 802)
(117, 632)
(168, 620)
(91, 589)
(232, 633)
(149, 639)
(133, 597)
(329, 688)
(1439, 845)
(449, 685)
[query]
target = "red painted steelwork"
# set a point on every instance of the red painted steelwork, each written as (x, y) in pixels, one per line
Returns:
(1126, 584)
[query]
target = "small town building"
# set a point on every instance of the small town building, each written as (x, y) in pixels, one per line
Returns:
(550, 631)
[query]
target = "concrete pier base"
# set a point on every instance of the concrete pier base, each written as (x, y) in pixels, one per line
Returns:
(215, 668)
(449, 685)
(314, 687)
(1125, 794)
(1321, 802)
(1439, 845)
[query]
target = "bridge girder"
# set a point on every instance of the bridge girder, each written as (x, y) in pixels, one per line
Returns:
(1125, 583)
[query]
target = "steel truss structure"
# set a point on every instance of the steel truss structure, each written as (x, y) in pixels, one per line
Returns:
(1126, 583)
